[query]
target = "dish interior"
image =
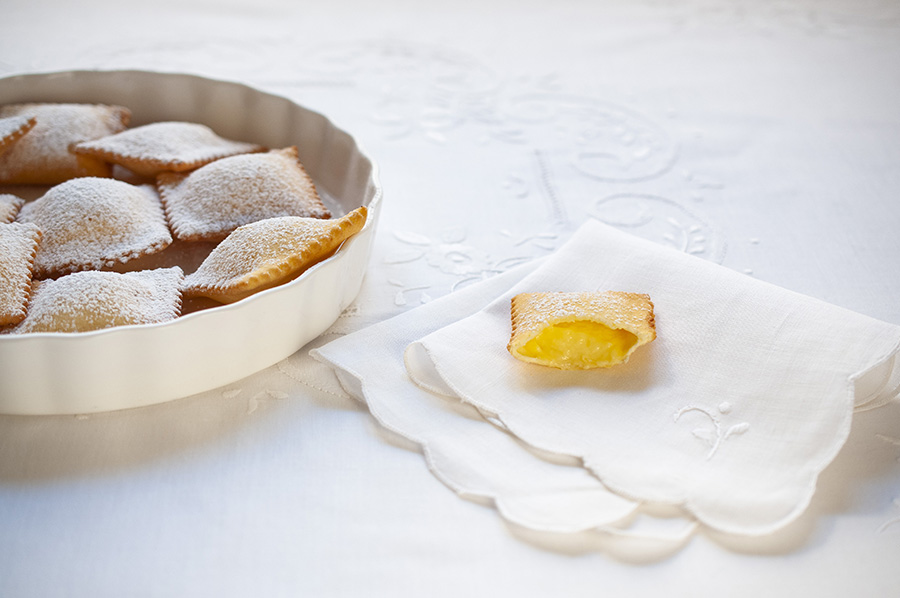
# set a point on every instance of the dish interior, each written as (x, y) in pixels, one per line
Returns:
(210, 346)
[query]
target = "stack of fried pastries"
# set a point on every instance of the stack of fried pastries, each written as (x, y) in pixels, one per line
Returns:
(113, 210)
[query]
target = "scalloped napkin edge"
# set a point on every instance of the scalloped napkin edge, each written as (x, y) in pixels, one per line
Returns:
(732, 413)
(469, 454)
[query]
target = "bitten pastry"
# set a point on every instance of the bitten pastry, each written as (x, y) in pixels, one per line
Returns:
(577, 331)
(9, 207)
(13, 128)
(164, 146)
(210, 202)
(86, 301)
(90, 223)
(18, 243)
(42, 156)
(268, 253)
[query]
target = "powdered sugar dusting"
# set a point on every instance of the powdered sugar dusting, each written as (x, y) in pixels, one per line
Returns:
(531, 312)
(91, 223)
(42, 156)
(160, 146)
(12, 128)
(18, 243)
(273, 244)
(9, 207)
(215, 199)
(91, 300)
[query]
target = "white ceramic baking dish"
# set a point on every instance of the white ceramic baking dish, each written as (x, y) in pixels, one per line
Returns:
(133, 366)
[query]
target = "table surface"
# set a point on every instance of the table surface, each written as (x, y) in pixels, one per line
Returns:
(764, 136)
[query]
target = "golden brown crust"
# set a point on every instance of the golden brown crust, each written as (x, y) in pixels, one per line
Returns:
(533, 313)
(18, 247)
(86, 301)
(268, 253)
(42, 156)
(212, 201)
(92, 223)
(9, 207)
(159, 147)
(13, 128)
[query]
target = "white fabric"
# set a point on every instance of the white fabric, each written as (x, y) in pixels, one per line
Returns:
(461, 448)
(743, 399)
(761, 135)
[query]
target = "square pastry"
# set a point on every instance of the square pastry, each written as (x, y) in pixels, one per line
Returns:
(18, 244)
(579, 331)
(212, 201)
(91, 223)
(267, 253)
(9, 207)
(13, 128)
(164, 147)
(42, 155)
(86, 301)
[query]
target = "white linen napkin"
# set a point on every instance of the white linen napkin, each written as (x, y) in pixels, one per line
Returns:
(463, 450)
(743, 399)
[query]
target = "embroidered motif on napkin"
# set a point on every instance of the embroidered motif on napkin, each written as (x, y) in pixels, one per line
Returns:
(744, 398)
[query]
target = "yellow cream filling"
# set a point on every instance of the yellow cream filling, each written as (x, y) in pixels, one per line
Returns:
(581, 344)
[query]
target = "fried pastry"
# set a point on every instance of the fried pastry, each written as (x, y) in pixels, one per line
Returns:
(18, 243)
(210, 202)
(42, 156)
(91, 300)
(90, 223)
(164, 146)
(268, 253)
(576, 331)
(9, 207)
(13, 128)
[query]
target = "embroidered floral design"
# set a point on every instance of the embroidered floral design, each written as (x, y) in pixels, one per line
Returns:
(401, 298)
(600, 140)
(563, 150)
(713, 436)
(451, 254)
(418, 90)
(661, 220)
(253, 403)
(438, 94)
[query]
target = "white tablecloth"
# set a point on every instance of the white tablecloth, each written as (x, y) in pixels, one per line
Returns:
(764, 136)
